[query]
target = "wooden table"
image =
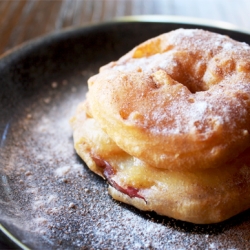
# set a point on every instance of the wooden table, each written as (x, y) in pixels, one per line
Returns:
(22, 20)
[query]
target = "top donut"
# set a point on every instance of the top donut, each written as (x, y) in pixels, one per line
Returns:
(178, 101)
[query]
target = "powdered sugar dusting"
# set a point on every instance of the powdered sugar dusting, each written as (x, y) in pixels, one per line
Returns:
(204, 114)
(60, 204)
(228, 46)
(198, 109)
(61, 171)
(64, 170)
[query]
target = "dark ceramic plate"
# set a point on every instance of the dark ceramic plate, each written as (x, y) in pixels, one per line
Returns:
(48, 197)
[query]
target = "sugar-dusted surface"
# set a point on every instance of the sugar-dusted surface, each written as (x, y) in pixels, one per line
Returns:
(62, 205)
(184, 91)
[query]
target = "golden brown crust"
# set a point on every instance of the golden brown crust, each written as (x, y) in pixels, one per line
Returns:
(201, 196)
(184, 95)
(168, 126)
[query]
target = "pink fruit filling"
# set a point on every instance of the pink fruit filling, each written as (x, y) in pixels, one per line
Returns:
(109, 172)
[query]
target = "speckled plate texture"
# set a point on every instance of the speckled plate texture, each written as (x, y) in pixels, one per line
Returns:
(48, 197)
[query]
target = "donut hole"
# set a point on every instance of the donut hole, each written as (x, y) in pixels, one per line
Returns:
(188, 69)
(194, 85)
(162, 78)
(190, 82)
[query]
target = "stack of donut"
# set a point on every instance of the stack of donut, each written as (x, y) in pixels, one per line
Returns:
(168, 126)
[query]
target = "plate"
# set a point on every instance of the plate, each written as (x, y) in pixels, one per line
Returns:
(48, 197)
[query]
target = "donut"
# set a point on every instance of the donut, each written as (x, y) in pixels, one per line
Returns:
(183, 96)
(167, 125)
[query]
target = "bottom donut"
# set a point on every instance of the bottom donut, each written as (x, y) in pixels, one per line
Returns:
(202, 196)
